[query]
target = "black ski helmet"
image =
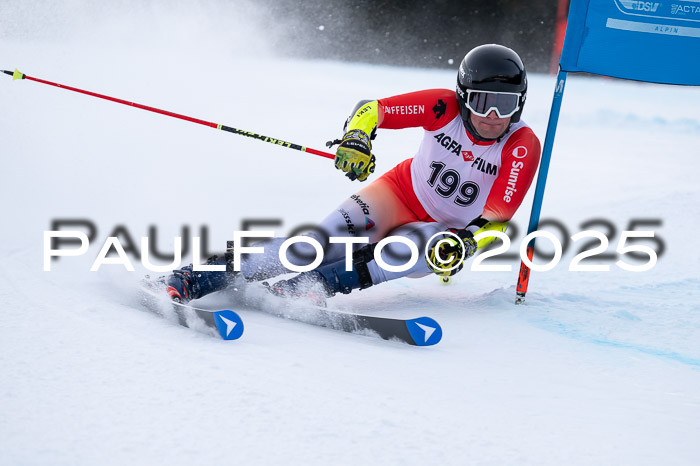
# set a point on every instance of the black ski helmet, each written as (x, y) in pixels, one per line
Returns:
(490, 67)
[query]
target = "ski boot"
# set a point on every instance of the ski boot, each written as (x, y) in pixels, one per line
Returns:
(186, 284)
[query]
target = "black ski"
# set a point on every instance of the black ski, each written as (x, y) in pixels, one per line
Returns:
(226, 323)
(421, 331)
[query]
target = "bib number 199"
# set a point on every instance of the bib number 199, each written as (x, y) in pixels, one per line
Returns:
(447, 182)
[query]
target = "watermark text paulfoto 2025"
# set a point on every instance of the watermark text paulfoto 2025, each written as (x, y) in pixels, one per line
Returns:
(637, 248)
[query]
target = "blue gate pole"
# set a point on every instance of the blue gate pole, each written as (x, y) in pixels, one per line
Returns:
(524, 275)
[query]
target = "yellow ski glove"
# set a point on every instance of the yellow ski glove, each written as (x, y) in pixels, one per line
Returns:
(354, 155)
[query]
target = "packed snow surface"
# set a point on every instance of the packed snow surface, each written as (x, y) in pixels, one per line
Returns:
(597, 367)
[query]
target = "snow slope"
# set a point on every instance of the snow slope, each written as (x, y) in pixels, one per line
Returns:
(596, 368)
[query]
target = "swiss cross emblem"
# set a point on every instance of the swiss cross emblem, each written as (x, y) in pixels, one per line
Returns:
(467, 156)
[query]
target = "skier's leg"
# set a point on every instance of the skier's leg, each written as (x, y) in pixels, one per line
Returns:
(371, 213)
(332, 278)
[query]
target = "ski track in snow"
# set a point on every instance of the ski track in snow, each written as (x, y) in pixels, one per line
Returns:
(596, 368)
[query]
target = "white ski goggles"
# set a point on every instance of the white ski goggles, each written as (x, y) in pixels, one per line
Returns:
(481, 103)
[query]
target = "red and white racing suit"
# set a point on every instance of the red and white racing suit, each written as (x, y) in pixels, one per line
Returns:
(451, 180)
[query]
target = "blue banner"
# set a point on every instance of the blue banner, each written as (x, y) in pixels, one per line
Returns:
(653, 41)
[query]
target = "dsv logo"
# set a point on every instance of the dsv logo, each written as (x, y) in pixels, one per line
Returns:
(640, 6)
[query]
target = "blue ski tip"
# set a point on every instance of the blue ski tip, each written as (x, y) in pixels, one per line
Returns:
(229, 324)
(424, 331)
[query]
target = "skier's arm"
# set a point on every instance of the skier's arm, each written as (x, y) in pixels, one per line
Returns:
(519, 160)
(430, 109)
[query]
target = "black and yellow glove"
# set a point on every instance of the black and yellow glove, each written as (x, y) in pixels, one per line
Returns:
(354, 155)
(447, 256)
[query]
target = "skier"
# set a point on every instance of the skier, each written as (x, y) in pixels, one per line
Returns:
(470, 174)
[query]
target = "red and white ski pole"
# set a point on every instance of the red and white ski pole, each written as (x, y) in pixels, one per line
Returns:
(18, 75)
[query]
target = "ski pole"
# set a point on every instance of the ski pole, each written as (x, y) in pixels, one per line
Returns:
(524, 275)
(18, 75)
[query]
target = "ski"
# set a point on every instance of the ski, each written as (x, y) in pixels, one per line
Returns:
(227, 323)
(421, 331)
